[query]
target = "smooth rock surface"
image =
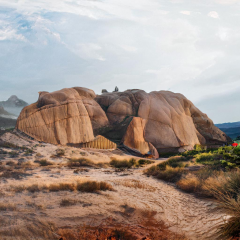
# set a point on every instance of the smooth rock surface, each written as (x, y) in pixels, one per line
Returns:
(152, 123)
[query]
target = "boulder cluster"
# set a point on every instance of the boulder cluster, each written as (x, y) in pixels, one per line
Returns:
(148, 123)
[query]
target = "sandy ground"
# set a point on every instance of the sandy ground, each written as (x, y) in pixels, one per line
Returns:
(134, 191)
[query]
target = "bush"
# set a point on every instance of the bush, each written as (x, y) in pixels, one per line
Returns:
(67, 202)
(144, 162)
(60, 152)
(171, 174)
(207, 158)
(123, 163)
(190, 183)
(80, 162)
(45, 162)
(61, 187)
(173, 162)
(93, 186)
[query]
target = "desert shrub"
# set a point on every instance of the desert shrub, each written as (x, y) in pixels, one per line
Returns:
(207, 158)
(189, 183)
(60, 152)
(123, 163)
(173, 162)
(28, 152)
(171, 174)
(200, 148)
(80, 162)
(144, 162)
(231, 228)
(61, 187)
(7, 207)
(10, 163)
(66, 202)
(93, 186)
(45, 162)
(33, 188)
(13, 154)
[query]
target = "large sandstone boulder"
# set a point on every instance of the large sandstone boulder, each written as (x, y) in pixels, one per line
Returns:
(149, 123)
(68, 116)
(167, 120)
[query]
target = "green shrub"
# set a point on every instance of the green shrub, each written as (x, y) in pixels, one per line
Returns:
(144, 162)
(80, 162)
(207, 158)
(123, 163)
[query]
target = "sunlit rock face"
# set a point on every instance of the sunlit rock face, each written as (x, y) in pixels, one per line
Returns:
(63, 117)
(167, 120)
(149, 123)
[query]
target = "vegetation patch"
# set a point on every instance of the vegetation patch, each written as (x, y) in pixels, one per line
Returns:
(123, 164)
(45, 162)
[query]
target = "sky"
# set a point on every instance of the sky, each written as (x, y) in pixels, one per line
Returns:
(185, 46)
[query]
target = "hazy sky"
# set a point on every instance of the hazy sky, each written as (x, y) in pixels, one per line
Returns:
(186, 46)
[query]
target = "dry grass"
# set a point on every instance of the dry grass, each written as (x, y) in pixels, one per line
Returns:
(169, 174)
(150, 229)
(123, 163)
(45, 162)
(31, 229)
(84, 162)
(82, 186)
(93, 186)
(7, 207)
(66, 202)
(62, 187)
(190, 183)
(132, 183)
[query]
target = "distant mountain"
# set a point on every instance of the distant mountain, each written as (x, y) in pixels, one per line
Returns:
(231, 129)
(228, 125)
(4, 112)
(13, 102)
(232, 132)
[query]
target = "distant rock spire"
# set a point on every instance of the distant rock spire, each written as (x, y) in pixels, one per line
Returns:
(116, 89)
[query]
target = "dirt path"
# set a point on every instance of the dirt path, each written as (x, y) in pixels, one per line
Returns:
(134, 191)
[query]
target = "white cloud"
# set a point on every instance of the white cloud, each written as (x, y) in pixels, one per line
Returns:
(87, 51)
(213, 14)
(227, 2)
(185, 12)
(7, 32)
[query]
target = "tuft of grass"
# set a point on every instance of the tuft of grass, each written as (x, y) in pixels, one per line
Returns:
(93, 186)
(142, 162)
(7, 207)
(13, 154)
(82, 186)
(45, 162)
(80, 162)
(66, 202)
(173, 162)
(189, 183)
(123, 163)
(61, 187)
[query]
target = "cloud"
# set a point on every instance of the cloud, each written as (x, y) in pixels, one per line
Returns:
(185, 12)
(7, 32)
(213, 14)
(148, 44)
(227, 2)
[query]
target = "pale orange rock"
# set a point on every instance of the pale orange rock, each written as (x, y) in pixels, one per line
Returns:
(155, 122)
(62, 117)
(171, 121)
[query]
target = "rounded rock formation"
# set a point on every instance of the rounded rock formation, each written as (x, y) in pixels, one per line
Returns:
(149, 123)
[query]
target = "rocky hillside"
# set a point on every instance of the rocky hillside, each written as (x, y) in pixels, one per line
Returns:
(149, 123)
(13, 101)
